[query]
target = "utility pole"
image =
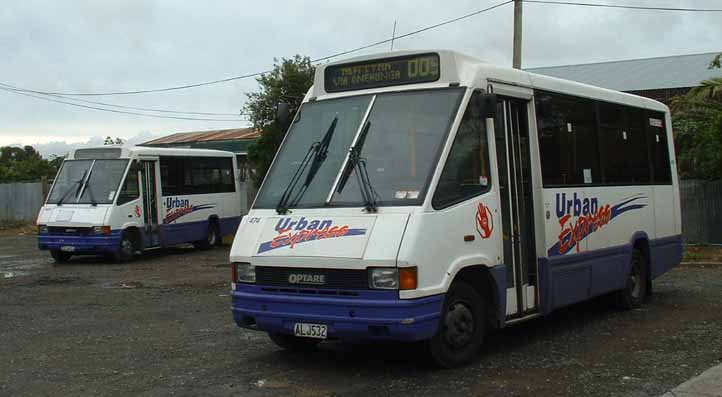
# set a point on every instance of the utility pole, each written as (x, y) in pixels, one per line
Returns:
(517, 33)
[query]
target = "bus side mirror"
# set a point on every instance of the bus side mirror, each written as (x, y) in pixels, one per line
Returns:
(283, 112)
(487, 105)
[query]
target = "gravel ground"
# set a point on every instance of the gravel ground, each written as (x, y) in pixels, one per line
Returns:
(161, 325)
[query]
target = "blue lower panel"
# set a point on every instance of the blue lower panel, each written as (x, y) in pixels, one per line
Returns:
(568, 279)
(186, 232)
(230, 225)
(81, 244)
(370, 315)
(666, 253)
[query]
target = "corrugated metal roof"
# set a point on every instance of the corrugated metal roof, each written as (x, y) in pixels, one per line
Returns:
(206, 136)
(679, 71)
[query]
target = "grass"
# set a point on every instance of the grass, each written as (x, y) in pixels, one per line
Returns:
(702, 253)
(16, 226)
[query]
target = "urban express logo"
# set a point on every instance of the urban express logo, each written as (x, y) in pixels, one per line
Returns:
(176, 208)
(292, 232)
(578, 218)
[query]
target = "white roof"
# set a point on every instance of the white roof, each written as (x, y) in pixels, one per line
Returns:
(127, 151)
(457, 68)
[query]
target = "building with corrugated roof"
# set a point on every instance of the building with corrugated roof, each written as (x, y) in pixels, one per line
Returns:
(236, 140)
(659, 78)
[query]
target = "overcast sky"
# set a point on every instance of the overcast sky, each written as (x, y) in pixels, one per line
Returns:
(101, 46)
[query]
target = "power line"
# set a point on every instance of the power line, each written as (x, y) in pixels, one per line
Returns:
(245, 76)
(471, 14)
(16, 88)
(570, 3)
(45, 98)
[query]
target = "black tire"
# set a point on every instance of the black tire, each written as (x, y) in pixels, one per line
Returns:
(294, 343)
(635, 289)
(60, 256)
(212, 238)
(126, 250)
(462, 327)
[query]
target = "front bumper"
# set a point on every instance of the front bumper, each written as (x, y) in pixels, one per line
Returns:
(82, 244)
(368, 315)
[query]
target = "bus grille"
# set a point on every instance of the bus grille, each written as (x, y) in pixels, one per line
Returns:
(71, 231)
(295, 277)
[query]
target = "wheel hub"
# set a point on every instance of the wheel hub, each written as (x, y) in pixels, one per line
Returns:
(459, 325)
(634, 280)
(126, 246)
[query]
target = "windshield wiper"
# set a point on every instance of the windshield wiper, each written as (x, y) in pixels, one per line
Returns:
(319, 151)
(70, 189)
(357, 165)
(90, 191)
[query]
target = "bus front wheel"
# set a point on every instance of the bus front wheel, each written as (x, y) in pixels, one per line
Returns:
(126, 250)
(462, 327)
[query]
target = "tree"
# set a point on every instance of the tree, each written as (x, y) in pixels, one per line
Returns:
(716, 62)
(698, 129)
(24, 165)
(288, 82)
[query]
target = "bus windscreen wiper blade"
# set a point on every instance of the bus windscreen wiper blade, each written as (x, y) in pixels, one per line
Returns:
(319, 151)
(90, 191)
(70, 189)
(357, 165)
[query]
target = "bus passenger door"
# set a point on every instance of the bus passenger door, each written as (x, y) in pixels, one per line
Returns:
(511, 131)
(149, 187)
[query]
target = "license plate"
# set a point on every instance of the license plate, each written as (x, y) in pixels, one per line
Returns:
(67, 248)
(310, 330)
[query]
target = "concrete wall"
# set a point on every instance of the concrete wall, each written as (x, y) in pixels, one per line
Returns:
(701, 203)
(21, 201)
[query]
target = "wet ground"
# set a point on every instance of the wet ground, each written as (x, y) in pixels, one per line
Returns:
(161, 325)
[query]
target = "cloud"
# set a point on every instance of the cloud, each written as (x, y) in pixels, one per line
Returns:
(87, 45)
(61, 148)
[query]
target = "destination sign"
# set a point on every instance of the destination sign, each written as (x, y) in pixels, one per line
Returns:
(412, 69)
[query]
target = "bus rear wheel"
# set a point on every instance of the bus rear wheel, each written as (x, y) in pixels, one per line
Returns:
(462, 327)
(294, 343)
(60, 256)
(212, 238)
(635, 289)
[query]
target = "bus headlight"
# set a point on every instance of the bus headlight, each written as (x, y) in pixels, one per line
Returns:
(384, 278)
(42, 229)
(243, 273)
(404, 278)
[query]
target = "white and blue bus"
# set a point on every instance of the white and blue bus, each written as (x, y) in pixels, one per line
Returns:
(117, 200)
(432, 196)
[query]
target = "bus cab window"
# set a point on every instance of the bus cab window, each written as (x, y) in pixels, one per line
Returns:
(130, 190)
(466, 172)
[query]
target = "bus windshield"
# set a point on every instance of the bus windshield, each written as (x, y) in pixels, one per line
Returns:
(96, 181)
(406, 131)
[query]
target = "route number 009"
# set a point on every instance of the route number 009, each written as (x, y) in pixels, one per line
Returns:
(423, 67)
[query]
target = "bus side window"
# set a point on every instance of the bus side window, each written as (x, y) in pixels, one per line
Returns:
(657, 140)
(466, 172)
(130, 190)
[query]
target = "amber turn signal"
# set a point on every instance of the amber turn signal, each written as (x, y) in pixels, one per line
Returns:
(407, 278)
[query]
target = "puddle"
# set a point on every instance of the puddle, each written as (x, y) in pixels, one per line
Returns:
(12, 273)
(12, 266)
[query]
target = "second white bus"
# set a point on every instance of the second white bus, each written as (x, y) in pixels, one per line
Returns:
(431, 196)
(117, 201)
